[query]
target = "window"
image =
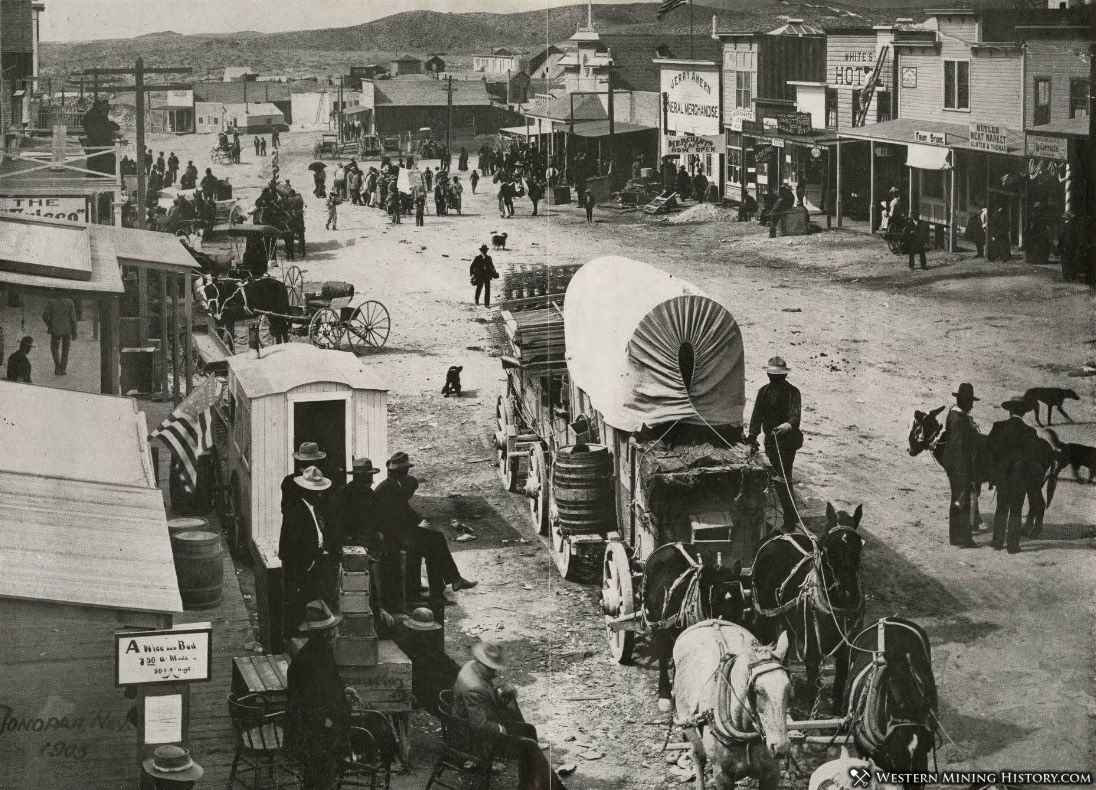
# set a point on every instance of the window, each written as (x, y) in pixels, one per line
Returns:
(1042, 100)
(855, 106)
(1078, 98)
(882, 105)
(932, 184)
(734, 166)
(831, 108)
(956, 85)
(743, 89)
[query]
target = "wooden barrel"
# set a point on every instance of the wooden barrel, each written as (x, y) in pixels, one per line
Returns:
(582, 484)
(198, 568)
(187, 524)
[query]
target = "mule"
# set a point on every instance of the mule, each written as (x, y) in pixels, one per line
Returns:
(811, 587)
(1031, 475)
(678, 591)
(731, 697)
(229, 300)
(892, 695)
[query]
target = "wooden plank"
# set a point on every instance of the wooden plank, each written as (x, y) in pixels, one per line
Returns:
(268, 675)
(248, 675)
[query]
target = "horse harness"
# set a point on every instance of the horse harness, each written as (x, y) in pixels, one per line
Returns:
(691, 610)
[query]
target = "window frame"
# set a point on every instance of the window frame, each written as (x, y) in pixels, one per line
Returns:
(1085, 95)
(1036, 106)
(832, 108)
(739, 89)
(953, 95)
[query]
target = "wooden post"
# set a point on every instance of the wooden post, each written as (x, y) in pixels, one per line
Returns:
(871, 186)
(173, 335)
(139, 105)
(110, 363)
(142, 306)
(188, 340)
(838, 196)
(952, 213)
(163, 334)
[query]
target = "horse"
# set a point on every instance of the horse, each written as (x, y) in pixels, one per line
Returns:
(811, 587)
(1030, 475)
(230, 300)
(891, 696)
(678, 591)
(730, 692)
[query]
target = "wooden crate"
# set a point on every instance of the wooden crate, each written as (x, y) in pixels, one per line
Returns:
(356, 651)
(387, 683)
(354, 603)
(358, 624)
(354, 581)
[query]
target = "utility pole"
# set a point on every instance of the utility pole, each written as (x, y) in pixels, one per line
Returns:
(339, 112)
(449, 118)
(138, 71)
(612, 124)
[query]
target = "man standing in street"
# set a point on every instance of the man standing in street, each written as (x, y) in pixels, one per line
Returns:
(60, 318)
(1008, 447)
(961, 444)
(777, 410)
(494, 714)
(172, 168)
(481, 273)
(18, 363)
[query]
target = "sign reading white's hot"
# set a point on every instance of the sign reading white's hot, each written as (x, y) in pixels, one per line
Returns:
(691, 99)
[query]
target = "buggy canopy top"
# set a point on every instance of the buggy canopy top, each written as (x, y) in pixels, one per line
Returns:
(651, 349)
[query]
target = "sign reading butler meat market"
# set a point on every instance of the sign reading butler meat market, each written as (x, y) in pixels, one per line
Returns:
(691, 99)
(988, 137)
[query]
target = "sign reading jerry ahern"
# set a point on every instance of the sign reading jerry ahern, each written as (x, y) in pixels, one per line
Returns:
(691, 99)
(163, 656)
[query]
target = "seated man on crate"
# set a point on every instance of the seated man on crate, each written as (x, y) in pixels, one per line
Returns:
(399, 522)
(493, 712)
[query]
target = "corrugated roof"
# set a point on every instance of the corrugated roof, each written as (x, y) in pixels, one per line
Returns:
(601, 128)
(238, 92)
(796, 27)
(587, 108)
(289, 365)
(428, 93)
(132, 244)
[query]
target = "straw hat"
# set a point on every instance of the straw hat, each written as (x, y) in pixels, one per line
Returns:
(312, 479)
(318, 617)
(173, 763)
(777, 367)
(422, 619)
(490, 654)
(310, 451)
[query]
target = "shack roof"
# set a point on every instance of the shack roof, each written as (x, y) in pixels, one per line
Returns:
(253, 108)
(290, 365)
(429, 93)
(148, 246)
(16, 230)
(239, 92)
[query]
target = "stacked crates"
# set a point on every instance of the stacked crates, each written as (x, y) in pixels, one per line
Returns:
(356, 643)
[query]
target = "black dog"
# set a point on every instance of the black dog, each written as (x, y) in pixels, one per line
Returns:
(498, 240)
(1052, 397)
(452, 381)
(1073, 455)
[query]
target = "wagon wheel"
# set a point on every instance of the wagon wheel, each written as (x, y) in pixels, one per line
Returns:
(617, 598)
(266, 334)
(507, 471)
(325, 330)
(368, 325)
(536, 488)
(568, 565)
(294, 283)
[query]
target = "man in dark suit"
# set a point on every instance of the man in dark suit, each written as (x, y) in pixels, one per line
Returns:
(308, 454)
(960, 450)
(19, 363)
(1008, 445)
(308, 546)
(317, 716)
(480, 273)
(494, 713)
(777, 410)
(396, 518)
(353, 507)
(60, 319)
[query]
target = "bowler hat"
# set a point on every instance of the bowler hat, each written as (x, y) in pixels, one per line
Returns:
(484, 248)
(318, 617)
(173, 763)
(777, 367)
(399, 461)
(363, 466)
(966, 390)
(1016, 405)
(309, 451)
(312, 479)
(422, 619)
(490, 654)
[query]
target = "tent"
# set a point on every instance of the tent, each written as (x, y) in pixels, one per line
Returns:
(648, 348)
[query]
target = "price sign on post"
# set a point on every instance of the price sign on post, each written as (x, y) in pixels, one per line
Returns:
(163, 656)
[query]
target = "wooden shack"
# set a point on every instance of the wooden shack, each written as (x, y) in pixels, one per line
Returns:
(86, 554)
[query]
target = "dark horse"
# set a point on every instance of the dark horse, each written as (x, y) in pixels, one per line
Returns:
(679, 591)
(1030, 475)
(811, 586)
(892, 695)
(230, 300)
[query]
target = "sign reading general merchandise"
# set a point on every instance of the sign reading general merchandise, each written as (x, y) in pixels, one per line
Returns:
(988, 137)
(70, 209)
(163, 656)
(692, 144)
(1043, 147)
(691, 100)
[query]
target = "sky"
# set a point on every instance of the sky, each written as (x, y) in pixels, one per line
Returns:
(72, 20)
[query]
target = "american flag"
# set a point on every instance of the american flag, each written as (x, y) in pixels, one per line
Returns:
(666, 6)
(189, 429)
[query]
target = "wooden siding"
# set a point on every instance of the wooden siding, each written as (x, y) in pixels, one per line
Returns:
(964, 27)
(995, 86)
(737, 56)
(850, 59)
(62, 720)
(784, 58)
(18, 27)
(1061, 61)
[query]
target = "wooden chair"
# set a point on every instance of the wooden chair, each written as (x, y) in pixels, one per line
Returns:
(371, 748)
(260, 752)
(467, 753)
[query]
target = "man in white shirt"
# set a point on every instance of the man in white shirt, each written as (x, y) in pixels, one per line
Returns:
(308, 547)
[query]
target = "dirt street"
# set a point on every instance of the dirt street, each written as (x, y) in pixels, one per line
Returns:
(869, 341)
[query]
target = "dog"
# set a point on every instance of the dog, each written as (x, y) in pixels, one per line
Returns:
(452, 381)
(1073, 455)
(1052, 397)
(498, 240)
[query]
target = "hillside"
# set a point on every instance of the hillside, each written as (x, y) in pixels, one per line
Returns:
(329, 50)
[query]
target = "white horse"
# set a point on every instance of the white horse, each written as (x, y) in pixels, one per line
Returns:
(731, 696)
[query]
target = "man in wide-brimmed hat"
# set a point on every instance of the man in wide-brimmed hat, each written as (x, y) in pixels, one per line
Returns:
(961, 444)
(481, 273)
(309, 545)
(317, 702)
(172, 768)
(494, 713)
(353, 507)
(1009, 445)
(776, 411)
(308, 454)
(396, 518)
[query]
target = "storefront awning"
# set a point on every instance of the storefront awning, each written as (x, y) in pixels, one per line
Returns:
(928, 157)
(601, 128)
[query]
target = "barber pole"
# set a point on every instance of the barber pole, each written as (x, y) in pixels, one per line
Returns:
(274, 170)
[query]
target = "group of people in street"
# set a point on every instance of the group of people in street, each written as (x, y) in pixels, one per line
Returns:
(230, 147)
(282, 207)
(676, 178)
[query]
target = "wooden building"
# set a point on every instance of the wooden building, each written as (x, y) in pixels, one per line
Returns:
(86, 554)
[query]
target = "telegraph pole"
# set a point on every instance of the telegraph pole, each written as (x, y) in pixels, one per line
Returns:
(449, 119)
(339, 111)
(612, 124)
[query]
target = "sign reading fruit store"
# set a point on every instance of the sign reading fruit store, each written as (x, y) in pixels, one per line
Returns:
(690, 96)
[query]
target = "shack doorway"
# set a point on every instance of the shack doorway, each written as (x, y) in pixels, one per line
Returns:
(323, 422)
